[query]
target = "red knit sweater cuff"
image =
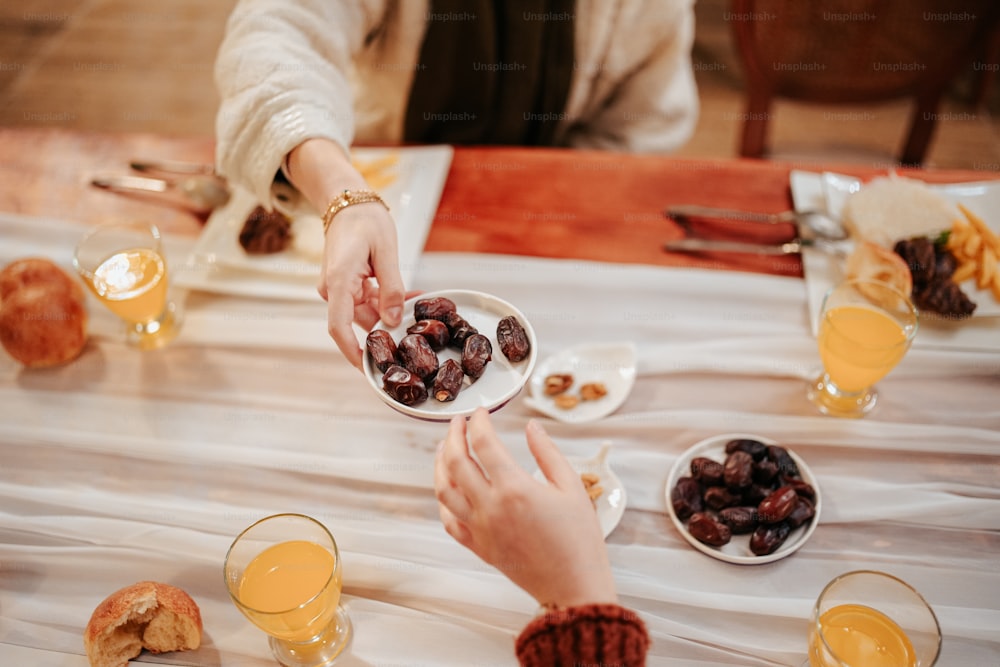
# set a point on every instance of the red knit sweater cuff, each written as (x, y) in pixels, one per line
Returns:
(599, 634)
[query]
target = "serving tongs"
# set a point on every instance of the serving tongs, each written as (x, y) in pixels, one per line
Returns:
(199, 193)
(190, 185)
(814, 228)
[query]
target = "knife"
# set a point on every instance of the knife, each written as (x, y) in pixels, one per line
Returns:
(685, 211)
(709, 245)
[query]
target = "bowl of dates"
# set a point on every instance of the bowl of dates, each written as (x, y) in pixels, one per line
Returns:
(743, 498)
(455, 351)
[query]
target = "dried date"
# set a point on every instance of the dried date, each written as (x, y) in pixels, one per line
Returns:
(803, 488)
(767, 538)
(435, 331)
(477, 352)
(706, 471)
(382, 348)
(513, 339)
(416, 355)
(756, 449)
(741, 520)
(755, 493)
(765, 472)
(459, 328)
(708, 530)
(786, 465)
(404, 386)
(685, 498)
(448, 381)
(804, 512)
(433, 308)
(717, 497)
(738, 470)
(778, 505)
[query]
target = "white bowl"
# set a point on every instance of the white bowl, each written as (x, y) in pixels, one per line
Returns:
(610, 505)
(502, 380)
(612, 364)
(738, 548)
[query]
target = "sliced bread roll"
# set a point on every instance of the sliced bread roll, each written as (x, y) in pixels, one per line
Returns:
(873, 262)
(146, 615)
(889, 209)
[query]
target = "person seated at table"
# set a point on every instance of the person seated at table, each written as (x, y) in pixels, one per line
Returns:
(545, 537)
(302, 80)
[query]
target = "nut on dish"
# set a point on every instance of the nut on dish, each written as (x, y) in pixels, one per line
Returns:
(567, 401)
(591, 483)
(593, 390)
(557, 383)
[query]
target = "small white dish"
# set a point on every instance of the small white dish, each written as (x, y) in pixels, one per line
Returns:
(610, 505)
(612, 364)
(501, 381)
(738, 548)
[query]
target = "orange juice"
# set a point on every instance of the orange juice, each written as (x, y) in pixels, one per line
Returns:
(132, 284)
(860, 636)
(291, 590)
(859, 345)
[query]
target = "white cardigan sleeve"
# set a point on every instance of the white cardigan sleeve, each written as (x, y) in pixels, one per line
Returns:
(642, 95)
(283, 74)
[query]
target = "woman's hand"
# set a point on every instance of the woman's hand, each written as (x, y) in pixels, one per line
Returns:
(545, 537)
(360, 280)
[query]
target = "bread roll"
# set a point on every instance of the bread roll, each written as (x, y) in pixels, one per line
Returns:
(873, 262)
(889, 209)
(146, 615)
(36, 271)
(43, 325)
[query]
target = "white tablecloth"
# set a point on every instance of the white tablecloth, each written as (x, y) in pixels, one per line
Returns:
(127, 465)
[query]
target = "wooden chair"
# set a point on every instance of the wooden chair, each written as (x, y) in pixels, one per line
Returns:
(856, 51)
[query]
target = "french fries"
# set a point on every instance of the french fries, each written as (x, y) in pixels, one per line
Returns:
(379, 172)
(977, 249)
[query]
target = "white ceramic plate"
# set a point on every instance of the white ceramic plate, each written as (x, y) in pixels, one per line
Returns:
(612, 364)
(610, 505)
(501, 381)
(812, 190)
(218, 262)
(738, 549)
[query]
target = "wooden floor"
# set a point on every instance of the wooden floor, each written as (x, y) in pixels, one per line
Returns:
(133, 65)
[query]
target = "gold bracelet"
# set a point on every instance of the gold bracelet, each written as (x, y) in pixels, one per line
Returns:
(348, 198)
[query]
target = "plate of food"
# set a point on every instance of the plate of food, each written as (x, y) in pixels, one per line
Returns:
(455, 351)
(605, 488)
(583, 383)
(743, 498)
(939, 243)
(244, 240)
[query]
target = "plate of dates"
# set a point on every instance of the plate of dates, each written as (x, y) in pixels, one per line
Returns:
(454, 351)
(743, 499)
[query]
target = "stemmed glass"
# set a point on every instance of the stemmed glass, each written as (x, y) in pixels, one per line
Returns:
(872, 619)
(284, 574)
(865, 329)
(123, 265)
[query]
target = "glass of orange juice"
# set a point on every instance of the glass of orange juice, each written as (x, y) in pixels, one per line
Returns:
(123, 265)
(872, 619)
(865, 329)
(284, 574)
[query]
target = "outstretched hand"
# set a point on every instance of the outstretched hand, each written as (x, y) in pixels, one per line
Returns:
(544, 536)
